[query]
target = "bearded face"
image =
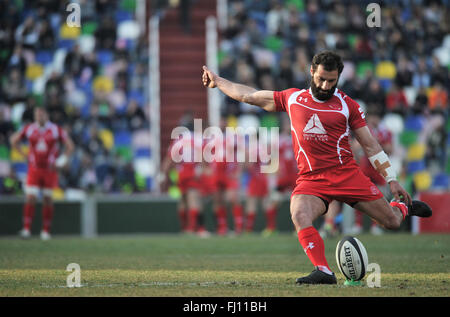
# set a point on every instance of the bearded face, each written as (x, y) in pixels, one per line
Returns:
(323, 83)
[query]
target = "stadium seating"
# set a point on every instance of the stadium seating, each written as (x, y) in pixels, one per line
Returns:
(128, 146)
(441, 181)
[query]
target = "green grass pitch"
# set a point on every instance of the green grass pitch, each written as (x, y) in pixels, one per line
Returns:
(188, 266)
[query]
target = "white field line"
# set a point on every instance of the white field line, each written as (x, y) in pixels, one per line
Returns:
(202, 284)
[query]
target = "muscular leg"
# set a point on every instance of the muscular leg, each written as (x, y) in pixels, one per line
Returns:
(304, 210)
(382, 212)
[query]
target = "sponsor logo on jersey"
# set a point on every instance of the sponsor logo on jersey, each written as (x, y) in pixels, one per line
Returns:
(314, 130)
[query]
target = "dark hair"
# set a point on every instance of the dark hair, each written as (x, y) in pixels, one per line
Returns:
(329, 60)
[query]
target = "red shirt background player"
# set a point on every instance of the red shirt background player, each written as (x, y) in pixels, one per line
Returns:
(190, 175)
(45, 139)
(223, 181)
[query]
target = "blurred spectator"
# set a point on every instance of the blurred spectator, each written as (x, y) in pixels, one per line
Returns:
(6, 128)
(396, 101)
(73, 62)
(13, 87)
(276, 19)
(438, 98)
(27, 33)
(27, 114)
(106, 33)
(421, 102)
(439, 73)
(135, 116)
(421, 77)
(17, 60)
(374, 95)
(404, 74)
(46, 39)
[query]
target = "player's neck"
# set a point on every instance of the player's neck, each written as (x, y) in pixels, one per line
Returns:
(41, 125)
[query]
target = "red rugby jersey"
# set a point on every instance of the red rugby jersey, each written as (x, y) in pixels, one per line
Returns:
(320, 129)
(44, 143)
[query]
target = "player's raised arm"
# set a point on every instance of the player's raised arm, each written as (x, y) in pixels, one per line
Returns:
(239, 92)
(380, 161)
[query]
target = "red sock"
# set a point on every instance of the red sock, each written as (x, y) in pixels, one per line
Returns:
(28, 214)
(314, 247)
(400, 206)
(192, 220)
(271, 217)
(182, 218)
(47, 217)
(238, 218)
(250, 221)
(221, 216)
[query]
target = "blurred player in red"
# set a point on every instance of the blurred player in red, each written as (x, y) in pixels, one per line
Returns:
(190, 175)
(321, 120)
(45, 140)
(257, 187)
(225, 181)
(285, 176)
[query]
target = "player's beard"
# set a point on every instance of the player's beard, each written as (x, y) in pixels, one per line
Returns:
(322, 95)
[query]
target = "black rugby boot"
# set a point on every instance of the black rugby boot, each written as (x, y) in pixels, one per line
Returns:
(317, 277)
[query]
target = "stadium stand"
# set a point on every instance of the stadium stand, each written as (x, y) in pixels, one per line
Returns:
(93, 79)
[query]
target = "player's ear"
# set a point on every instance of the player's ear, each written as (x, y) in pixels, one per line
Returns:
(311, 70)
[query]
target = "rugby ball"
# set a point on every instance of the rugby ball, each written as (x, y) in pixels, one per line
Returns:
(351, 257)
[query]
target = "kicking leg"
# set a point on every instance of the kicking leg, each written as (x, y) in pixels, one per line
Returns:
(387, 215)
(391, 215)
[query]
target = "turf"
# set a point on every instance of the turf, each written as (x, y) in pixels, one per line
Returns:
(187, 266)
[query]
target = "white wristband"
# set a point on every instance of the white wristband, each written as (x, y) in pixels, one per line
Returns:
(381, 163)
(61, 161)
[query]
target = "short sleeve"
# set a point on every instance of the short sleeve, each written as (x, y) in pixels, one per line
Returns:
(281, 98)
(356, 114)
